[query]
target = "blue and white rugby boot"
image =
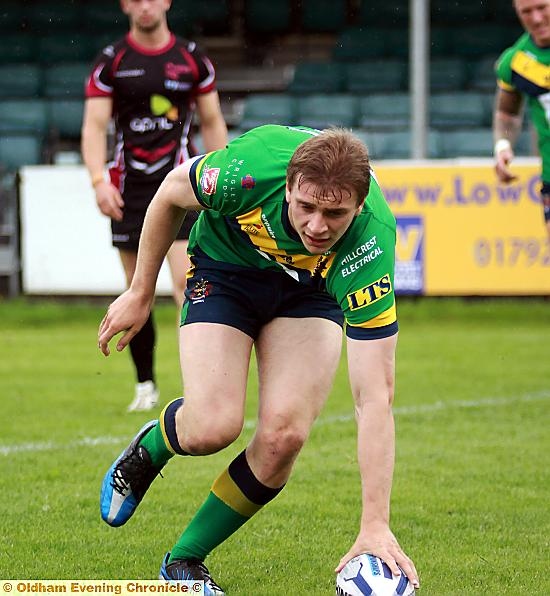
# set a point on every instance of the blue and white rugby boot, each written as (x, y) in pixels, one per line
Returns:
(190, 569)
(127, 481)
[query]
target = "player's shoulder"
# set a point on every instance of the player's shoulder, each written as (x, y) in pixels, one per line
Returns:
(108, 53)
(265, 151)
(521, 44)
(277, 136)
(377, 207)
(183, 42)
(110, 50)
(189, 45)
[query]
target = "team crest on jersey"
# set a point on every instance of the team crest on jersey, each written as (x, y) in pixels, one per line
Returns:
(253, 229)
(371, 293)
(200, 290)
(248, 182)
(209, 180)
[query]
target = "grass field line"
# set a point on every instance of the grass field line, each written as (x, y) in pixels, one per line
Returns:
(437, 406)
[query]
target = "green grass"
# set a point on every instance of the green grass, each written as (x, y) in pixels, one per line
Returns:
(472, 481)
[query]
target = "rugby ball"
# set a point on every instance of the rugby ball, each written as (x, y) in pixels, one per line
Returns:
(367, 575)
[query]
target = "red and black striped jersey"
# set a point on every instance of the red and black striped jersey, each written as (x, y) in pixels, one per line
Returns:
(153, 94)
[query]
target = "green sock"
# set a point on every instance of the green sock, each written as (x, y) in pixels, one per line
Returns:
(235, 497)
(212, 524)
(155, 444)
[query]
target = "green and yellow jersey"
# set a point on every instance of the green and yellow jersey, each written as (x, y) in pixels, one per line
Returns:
(525, 67)
(246, 224)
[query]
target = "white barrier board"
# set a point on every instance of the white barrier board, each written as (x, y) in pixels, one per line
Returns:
(65, 240)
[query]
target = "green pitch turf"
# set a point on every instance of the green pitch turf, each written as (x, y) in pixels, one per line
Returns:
(471, 495)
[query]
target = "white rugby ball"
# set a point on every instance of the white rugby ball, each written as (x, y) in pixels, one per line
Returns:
(367, 575)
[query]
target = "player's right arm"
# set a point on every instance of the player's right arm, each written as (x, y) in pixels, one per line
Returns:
(371, 366)
(164, 217)
(507, 121)
(97, 114)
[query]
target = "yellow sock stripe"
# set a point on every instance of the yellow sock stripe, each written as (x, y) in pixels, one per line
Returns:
(227, 491)
(163, 429)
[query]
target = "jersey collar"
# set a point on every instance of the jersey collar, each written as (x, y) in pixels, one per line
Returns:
(148, 51)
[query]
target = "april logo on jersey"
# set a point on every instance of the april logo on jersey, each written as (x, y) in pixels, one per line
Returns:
(200, 290)
(371, 293)
(162, 106)
(209, 180)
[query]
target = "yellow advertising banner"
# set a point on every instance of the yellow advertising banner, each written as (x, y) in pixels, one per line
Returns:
(460, 232)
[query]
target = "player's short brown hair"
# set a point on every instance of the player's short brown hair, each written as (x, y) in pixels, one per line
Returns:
(335, 161)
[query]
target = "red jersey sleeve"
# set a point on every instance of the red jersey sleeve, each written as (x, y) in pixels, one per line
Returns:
(205, 75)
(100, 81)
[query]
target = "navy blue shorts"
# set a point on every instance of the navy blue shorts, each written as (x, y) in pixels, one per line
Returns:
(248, 299)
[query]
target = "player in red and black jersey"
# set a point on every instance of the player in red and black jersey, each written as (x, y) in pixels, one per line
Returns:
(150, 83)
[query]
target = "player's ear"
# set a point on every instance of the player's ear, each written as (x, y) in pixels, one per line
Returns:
(287, 193)
(124, 6)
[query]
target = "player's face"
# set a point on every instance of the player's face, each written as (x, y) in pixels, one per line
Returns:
(146, 15)
(535, 18)
(320, 223)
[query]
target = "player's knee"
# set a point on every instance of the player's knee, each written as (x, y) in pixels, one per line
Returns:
(210, 437)
(282, 444)
(207, 444)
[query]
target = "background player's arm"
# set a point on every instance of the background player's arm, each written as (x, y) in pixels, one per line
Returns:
(212, 124)
(163, 219)
(371, 365)
(97, 115)
(507, 121)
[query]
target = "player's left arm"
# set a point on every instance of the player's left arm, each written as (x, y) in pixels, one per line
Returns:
(371, 366)
(212, 123)
(507, 122)
(165, 214)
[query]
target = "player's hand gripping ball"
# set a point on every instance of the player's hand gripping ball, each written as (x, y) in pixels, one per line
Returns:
(366, 575)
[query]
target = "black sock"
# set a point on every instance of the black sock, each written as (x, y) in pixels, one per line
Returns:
(142, 347)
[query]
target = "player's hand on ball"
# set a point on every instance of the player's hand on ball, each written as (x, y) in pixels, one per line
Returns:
(379, 541)
(367, 575)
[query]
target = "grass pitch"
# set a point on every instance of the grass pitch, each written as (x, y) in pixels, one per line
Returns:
(472, 481)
